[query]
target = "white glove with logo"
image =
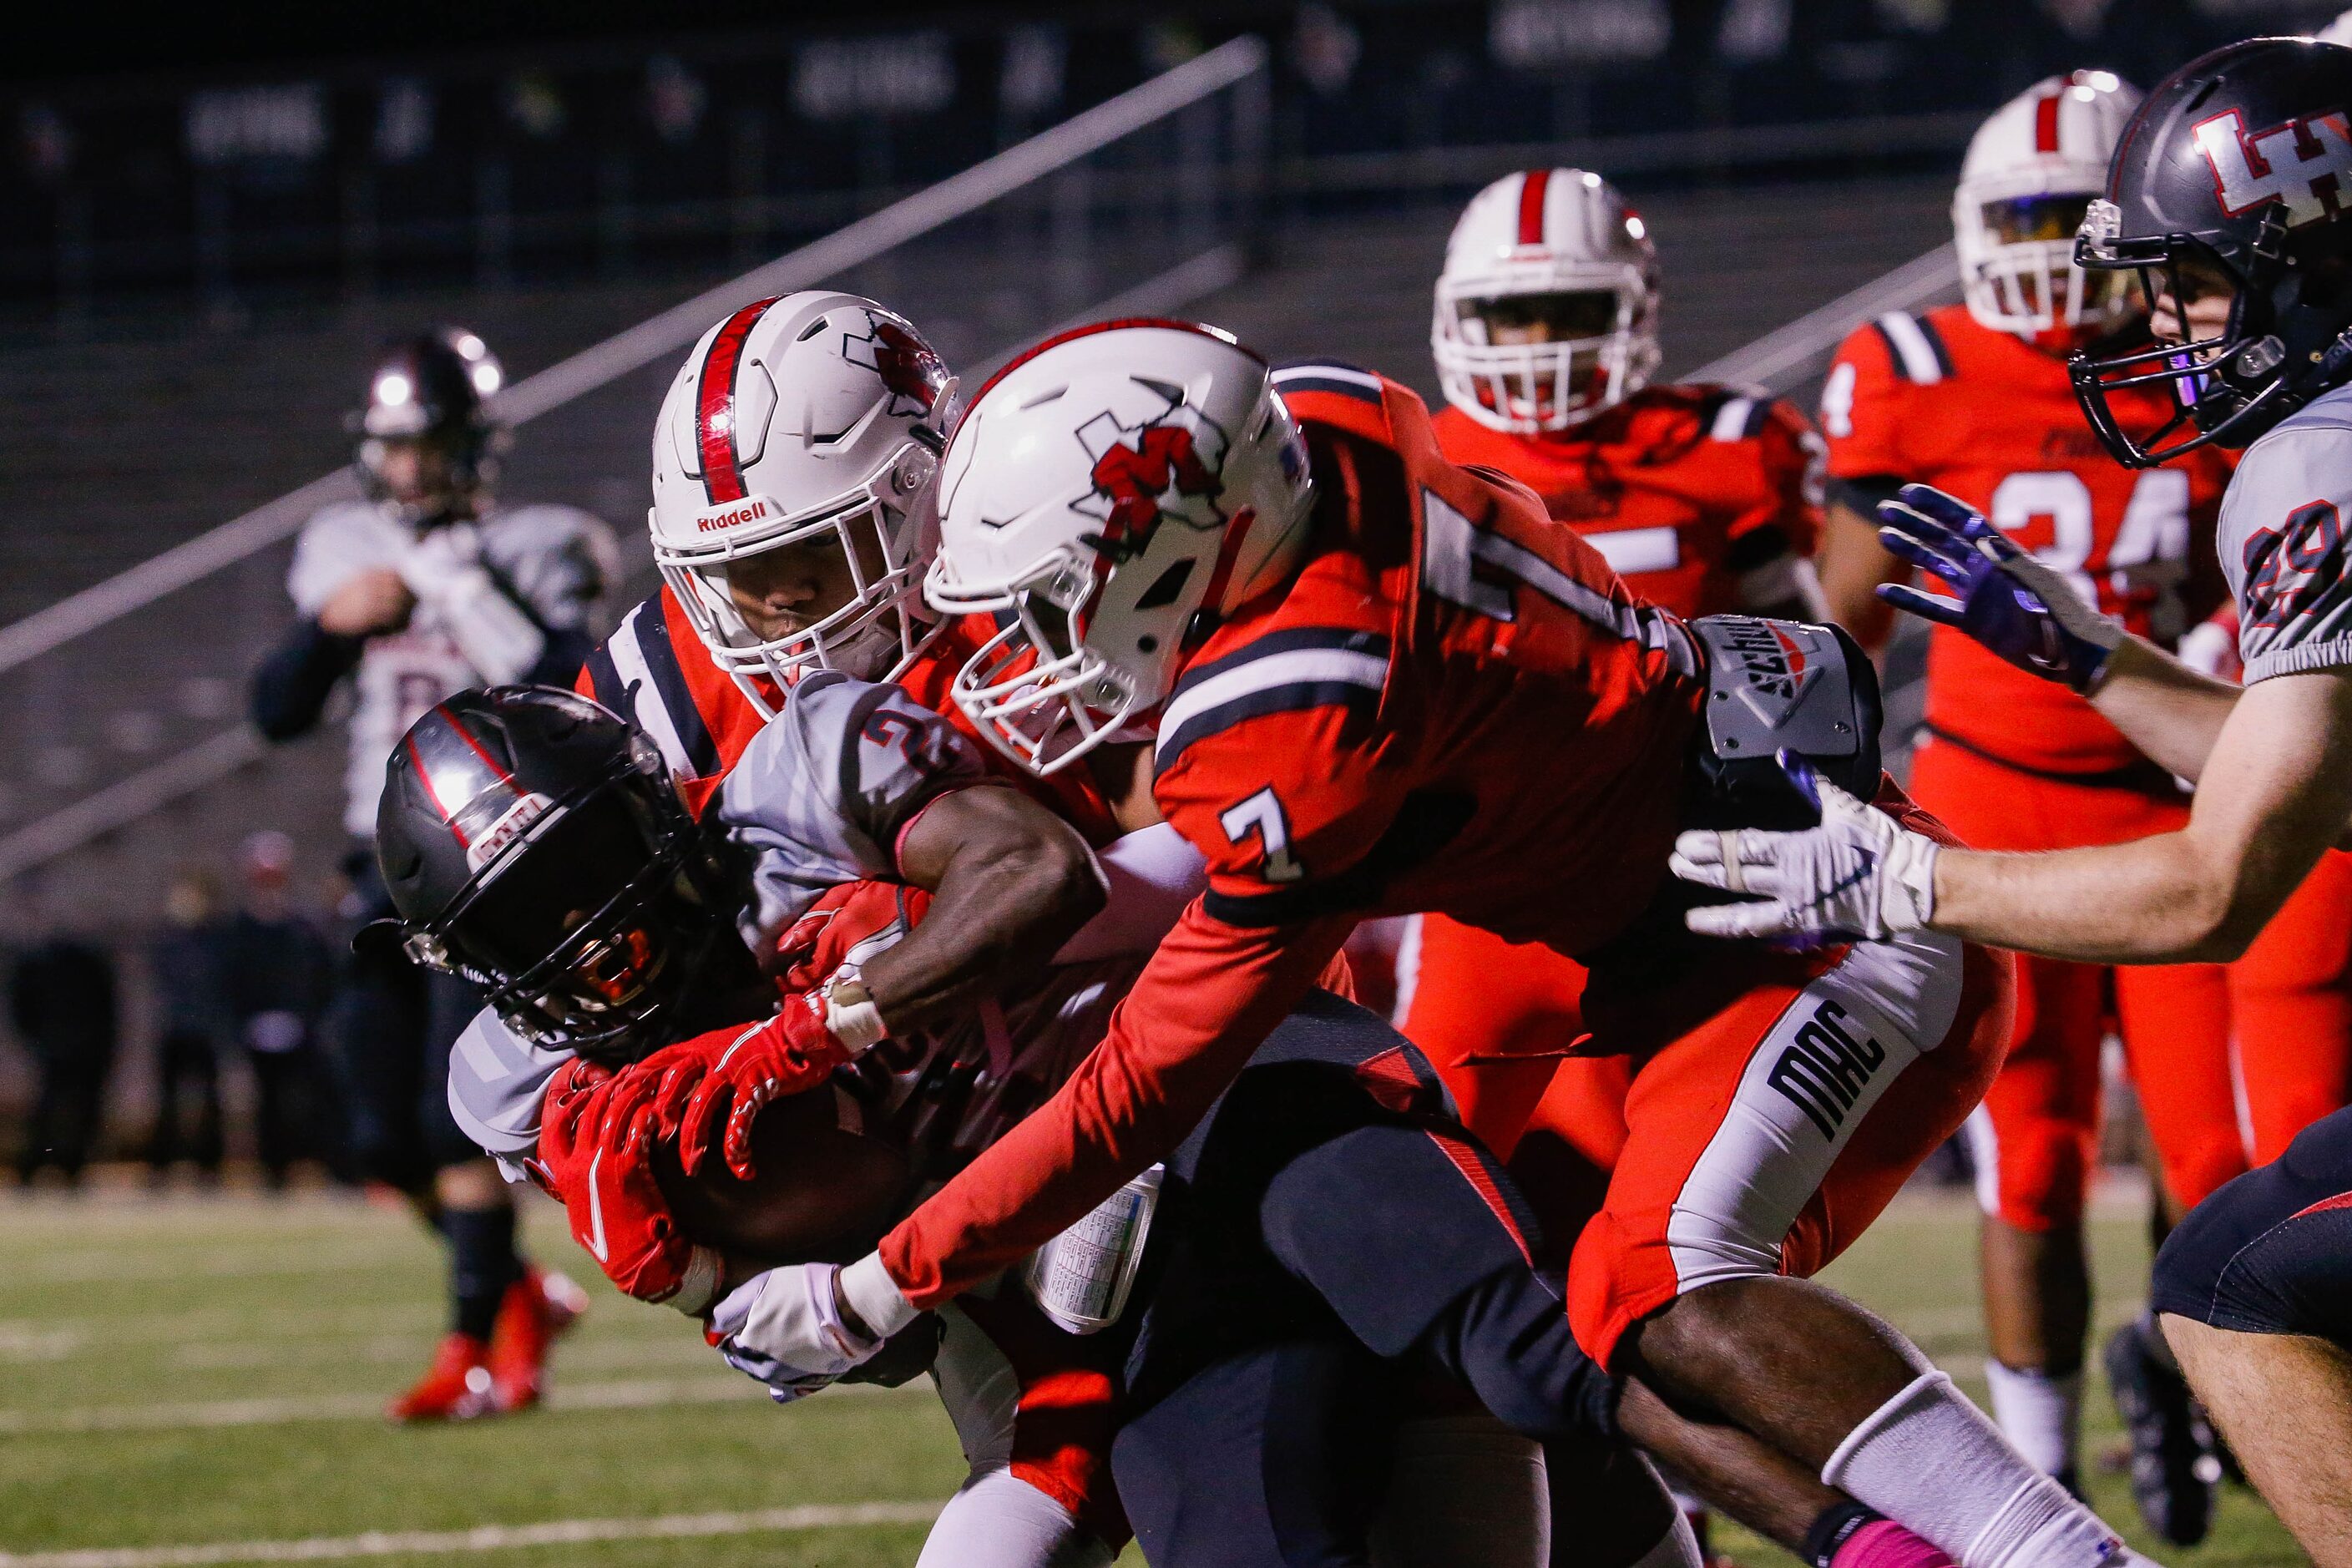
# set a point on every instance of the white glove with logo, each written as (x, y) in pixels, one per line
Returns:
(785, 1328)
(444, 569)
(1860, 874)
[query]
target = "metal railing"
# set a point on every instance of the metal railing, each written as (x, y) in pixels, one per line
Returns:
(1017, 231)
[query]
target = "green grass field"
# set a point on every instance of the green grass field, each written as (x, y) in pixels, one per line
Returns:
(186, 1382)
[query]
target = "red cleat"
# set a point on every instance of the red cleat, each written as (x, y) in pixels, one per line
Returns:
(456, 1387)
(538, 1309)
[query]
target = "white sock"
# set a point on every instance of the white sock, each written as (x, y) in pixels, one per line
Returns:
(2041, 1415)
(998, 1520)
(1932, 1463)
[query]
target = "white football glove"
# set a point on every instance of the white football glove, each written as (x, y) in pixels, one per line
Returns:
(1860, 874)
(444, 569)
(785, 1328)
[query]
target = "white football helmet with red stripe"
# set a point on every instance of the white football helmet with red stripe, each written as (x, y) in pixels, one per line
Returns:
(1112, 494)
(811, 417)
(1547, 308)
(2030, 172)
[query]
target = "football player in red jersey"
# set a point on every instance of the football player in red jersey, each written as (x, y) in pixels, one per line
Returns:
(798, 560)
(1975, 399)
(1386, 684)
(1701, 498)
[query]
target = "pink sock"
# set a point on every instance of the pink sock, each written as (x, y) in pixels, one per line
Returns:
(1883, 1543)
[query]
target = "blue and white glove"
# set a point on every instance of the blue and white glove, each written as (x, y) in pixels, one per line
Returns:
(2020, 609)
(1860, 874)
(785, 1328)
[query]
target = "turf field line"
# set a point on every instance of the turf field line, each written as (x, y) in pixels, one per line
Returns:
(112, 1268)
(631, 1355)
(631, 1394)
(635, 1394)
(483, 1538)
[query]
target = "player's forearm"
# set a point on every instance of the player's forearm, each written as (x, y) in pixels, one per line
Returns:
(1004, 903)
(2154, 900)
(1851, 566)
(1210, 996)
(2171, 712)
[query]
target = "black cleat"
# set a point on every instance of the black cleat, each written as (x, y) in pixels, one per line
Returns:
(2173, 1466)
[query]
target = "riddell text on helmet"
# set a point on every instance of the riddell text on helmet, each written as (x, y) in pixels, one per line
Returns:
(728, 517)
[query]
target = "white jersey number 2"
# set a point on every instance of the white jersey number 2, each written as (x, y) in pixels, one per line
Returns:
(1261, 815)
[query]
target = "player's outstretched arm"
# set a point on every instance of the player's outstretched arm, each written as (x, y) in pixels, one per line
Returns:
(2172, 713)
(2276, 792)
(1010, 883)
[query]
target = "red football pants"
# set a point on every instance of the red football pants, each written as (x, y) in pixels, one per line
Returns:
(1760, 1115)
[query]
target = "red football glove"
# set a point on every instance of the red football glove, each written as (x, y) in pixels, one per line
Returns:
(791, 1052)
(597, 1130)
(850, 923)
(794, 1051)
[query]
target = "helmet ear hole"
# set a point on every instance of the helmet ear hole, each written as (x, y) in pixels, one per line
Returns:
(1164, 589)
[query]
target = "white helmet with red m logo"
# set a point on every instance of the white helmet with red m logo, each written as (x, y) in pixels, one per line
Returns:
(1547, 308)
(1111, 495)
(812, 420)
(2030, 172)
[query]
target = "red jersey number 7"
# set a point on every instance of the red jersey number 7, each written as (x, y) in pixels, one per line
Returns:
(1261, 815)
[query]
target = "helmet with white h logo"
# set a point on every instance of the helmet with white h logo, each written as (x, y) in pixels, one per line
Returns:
(815, 419)
(2030, 172)
(2234, 182)
(1111, 495)
(1548, 309)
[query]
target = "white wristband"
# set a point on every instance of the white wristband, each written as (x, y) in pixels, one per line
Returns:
(851, 1015)
(874, 1299)
(700, 1286)
(1907, 902)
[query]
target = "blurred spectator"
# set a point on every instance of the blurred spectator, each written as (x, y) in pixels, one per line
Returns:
(61, 1000)
(277, 974)
(192, 1018)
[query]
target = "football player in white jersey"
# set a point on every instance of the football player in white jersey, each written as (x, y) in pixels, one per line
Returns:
(425, 588)
(2227, 196)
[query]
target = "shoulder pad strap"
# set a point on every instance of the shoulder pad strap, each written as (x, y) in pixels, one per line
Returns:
(1328, 375)
(1915, 347)
(1739, 415)
(657, 696)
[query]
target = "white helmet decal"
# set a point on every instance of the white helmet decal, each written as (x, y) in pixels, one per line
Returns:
(1165, 468)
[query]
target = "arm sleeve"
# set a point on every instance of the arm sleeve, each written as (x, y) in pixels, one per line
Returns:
(2283, 544)
(291, 684)
(1210, 996)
